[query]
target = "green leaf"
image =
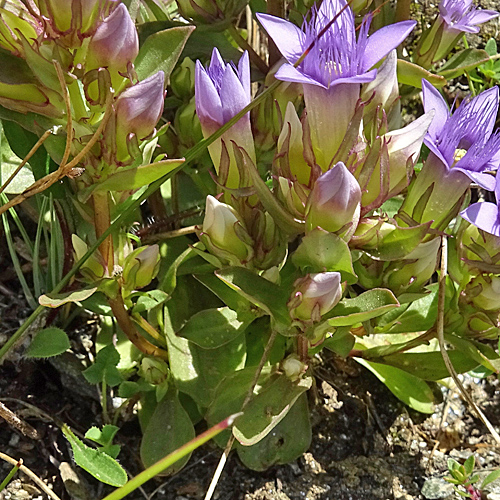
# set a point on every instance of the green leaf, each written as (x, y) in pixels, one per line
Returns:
(161, 51)
(412, 74)
(48, 342)
(105, 438)
(341, 342)
(463, 61)
(104, 368)
(469, 465)
(492, 476)
(288, 441)
(269, 296)
(130, 178)
(95, 462)
(320, 251)
(214, 328)
(168, 429)
(54, 300)
(268, 408)
(491, 47)
(411, 390)
(366, 306)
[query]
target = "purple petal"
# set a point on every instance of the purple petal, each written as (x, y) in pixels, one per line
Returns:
(482, 16)
(434, 100)
(208, 103)
(216, 59)
(487, 100)
(288, 73)
(288, 38)
(486, 181)
(244, 73)
(328, 10)
(234, 97)
(383, 41)
(483, 215)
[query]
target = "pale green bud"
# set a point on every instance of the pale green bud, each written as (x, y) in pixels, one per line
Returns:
(94, 267)
(489, 296)
(293, 367)
(182, 79)
(141, 267)
(155, 371)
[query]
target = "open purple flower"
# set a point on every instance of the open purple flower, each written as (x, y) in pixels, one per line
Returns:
(222, 91)
(332, 72)
(463, 147)
(485, 215)
(455, 18)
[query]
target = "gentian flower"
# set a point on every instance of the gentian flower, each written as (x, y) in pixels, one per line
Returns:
(463, 146)
(455, 18)
(221, 91)
(334, 69)
(485, 215)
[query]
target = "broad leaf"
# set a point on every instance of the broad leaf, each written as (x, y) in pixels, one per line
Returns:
(48, 342)
(104, 367)
(58, 299)
(161, 51)
(214, 328)
(410, 389)
(268, 408)
(366, 306)
(95, 462)
(269, 296)
(168, 429)
(287, 442)
(463, 61)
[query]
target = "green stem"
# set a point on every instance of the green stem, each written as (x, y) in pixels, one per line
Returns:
(10, 475)
(166, 462)
(104, 401)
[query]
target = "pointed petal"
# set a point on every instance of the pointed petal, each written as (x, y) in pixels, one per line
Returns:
(434, 100)
(486, 181)
(288, 38)
(497, 189)
(328, 10)
(288, 73)
(482, 16)
(244, 73)
(234, 97)
(208, 103)
(483, 215)
(487, 102)
(216, 59)
(384, 40)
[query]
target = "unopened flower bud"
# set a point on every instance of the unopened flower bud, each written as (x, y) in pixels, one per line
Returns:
(187, 125)
(182, 79)
(334, 201)
(222, 231)
(293, 367)
(488, 288)
(141, 267)
(138, 110)
(315, 295)
(155, 371)
(115, 43)
(94, 267)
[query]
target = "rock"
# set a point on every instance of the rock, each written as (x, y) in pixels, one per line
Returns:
(436, 488)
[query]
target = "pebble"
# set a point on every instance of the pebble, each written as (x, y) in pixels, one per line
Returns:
(436, 488)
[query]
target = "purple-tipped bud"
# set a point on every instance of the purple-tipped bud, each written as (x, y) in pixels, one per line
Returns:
(223, 232)
(115, 44)
(334, 201)
(315, 295)
(138, 110)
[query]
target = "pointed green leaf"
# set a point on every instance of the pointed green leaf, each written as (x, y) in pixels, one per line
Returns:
(104, 367)
(365, 306)
(463, 61)
(259, 291)
(161, 51)
(411, 390)
(58, 299)
(492, 476)
(95, 462)
(48, 342)
(412, 74)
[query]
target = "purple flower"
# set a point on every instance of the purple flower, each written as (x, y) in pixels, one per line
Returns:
(463, 147)
(485, 215)
(461, 15)
(332, 72)
(455, 18)
(221, 91)
(465, 140)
